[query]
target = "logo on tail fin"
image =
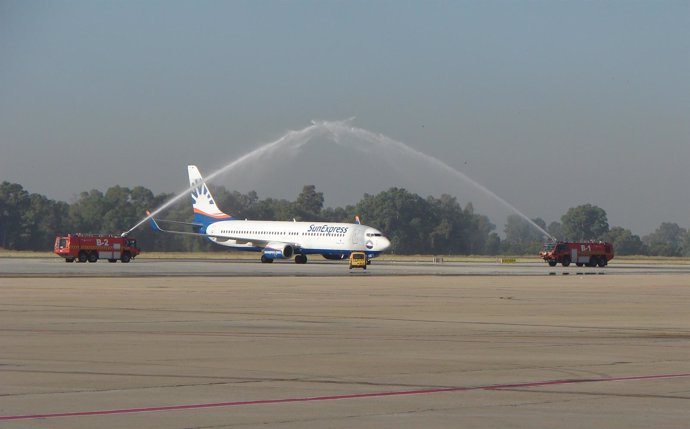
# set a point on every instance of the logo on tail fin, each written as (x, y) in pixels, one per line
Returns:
(205, 209)
(201, 191)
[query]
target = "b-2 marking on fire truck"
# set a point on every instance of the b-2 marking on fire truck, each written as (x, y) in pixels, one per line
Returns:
(85, 247)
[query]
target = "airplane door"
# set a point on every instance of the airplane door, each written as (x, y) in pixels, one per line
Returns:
(357, 237)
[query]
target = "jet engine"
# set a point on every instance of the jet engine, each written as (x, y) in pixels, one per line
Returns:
(278, 251)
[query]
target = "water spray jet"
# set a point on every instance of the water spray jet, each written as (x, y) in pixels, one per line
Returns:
(335, 130)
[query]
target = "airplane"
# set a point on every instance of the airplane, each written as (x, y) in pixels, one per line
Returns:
(276, 239)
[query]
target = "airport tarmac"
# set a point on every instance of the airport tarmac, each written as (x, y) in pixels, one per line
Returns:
(317, 266)
(367, 349)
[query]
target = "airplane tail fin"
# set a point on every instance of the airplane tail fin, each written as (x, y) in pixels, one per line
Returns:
(205, 209)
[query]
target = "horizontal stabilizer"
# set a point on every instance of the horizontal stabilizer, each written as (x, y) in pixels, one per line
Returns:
(157, 228)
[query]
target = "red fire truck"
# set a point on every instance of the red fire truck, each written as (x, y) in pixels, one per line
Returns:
(86, 247)
(590, 253)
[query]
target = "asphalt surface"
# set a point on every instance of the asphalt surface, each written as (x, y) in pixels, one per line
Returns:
(317, 267)
(199, 344)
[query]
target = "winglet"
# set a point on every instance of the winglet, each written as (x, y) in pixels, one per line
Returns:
(154, 225)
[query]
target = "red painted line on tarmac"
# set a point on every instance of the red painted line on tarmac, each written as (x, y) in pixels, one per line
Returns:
(582, 380)
(340, 397)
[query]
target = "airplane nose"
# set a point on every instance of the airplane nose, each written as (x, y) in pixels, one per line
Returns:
(384, 243)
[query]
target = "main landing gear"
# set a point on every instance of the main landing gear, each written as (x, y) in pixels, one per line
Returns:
(299, 259)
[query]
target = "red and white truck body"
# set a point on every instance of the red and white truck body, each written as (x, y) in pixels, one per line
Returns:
(589, 253)
(85, 247)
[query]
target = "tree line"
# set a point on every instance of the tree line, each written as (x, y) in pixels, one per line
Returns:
(414, 224)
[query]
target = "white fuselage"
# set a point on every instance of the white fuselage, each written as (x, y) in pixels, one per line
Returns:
(307, 237)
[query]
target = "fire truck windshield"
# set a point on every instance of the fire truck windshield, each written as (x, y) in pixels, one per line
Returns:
(548, 247)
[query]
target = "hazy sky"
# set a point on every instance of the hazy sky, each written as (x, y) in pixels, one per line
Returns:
(550, 104)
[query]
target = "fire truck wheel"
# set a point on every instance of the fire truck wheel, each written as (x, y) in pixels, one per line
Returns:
(82, 256)
(552, 263)
(603, 261)
(93, 257)
(126, 257)
(565, 261)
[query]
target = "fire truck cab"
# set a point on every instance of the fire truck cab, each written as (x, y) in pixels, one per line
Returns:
(83, 247)
(591, 253)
